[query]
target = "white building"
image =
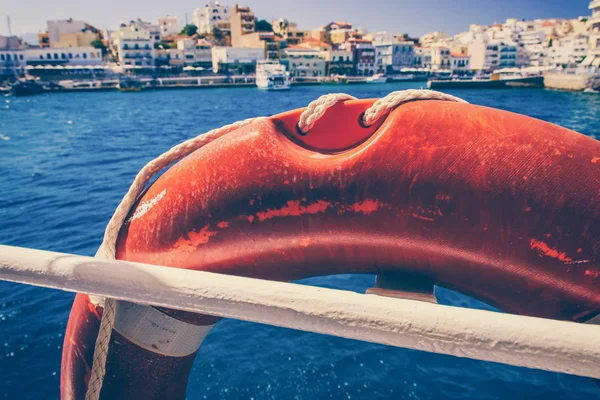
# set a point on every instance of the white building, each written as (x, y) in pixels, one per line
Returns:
(197, 53)
(392, 54)
(305, 62)
(593, 57)
(135, 45)
(568, 51)
(13, 62)
(84, 55)
(533, 41)
(422, 57)
(460, 63)
(440, 58)
(492, 55)
(59, 27)
(236, 59)
(169, 26)
(169, 57)
(212, 15)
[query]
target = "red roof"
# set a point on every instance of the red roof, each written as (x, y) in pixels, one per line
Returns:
(310, 43)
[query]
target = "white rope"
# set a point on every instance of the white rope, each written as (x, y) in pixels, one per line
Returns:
(382, 107)
(387, 104)
(315, 110)
(545, 344)
(108, 248)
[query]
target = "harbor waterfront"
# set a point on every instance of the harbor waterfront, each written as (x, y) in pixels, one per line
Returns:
(223, 42)
(67, 159)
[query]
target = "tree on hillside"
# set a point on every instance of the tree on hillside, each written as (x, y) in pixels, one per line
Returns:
(189, 30)
(217, 33)
(99, 44)
(263, 26)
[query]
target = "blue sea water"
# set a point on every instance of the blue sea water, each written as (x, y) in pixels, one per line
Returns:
(67, 159)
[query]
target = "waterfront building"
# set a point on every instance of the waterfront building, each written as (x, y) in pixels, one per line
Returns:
(168, 26)
(212, 15)
(593, 56)
(173, 58)
(82, 56)
(236, 60)
(14, 61)
(493, 54)
(197, 53)
(568, 51)
(534, 44)
(460, 63)
(392, 54)
(304, 62)
(12, 57)
(440, 58)
(339, 62)
(134, 44)
(60, 27)
(363, 55)
(422, 57)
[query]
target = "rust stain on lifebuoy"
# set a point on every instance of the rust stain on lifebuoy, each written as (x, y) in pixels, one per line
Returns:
(548, 251)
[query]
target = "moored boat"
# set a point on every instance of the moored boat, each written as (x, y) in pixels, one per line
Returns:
(377, 78)
(129, 84)
(271, 75)
(335, 80)
(26, 87)
(529, 81)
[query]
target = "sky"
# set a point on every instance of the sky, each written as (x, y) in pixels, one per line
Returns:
(415, 17)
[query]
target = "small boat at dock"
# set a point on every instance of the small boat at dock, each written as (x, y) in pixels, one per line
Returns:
(495, 81)
(335, 80)
(532, 82)
(129, 84)
(26, 87)
(377, 78)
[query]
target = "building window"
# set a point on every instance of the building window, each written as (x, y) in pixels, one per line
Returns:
(2, 57)
(56, 56)
(136, 46)
(21, 57)
(63, 56)
(48, 56)
(70, 55)
(84, 55)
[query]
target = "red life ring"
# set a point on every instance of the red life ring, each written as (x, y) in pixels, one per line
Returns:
(496, 205)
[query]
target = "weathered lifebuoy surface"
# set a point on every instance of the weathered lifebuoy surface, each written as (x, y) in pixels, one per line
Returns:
(496, 205)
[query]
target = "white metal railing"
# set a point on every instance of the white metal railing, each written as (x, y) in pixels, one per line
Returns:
(483, 335)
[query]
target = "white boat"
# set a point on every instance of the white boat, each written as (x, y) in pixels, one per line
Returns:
(271, 75)
(377, 78)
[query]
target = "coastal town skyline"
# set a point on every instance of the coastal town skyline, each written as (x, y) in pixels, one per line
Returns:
(436, 13)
